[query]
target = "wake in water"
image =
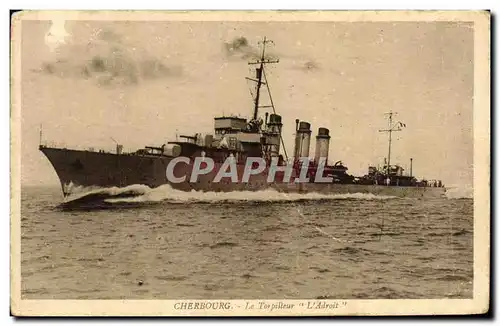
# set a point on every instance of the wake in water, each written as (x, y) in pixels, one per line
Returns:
(167, 193)
(92, 198)
(80, 193)
(459, 192)
(135, 195)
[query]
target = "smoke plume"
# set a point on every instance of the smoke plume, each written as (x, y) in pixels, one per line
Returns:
(307, 66)
(241, 49)
(107, 60)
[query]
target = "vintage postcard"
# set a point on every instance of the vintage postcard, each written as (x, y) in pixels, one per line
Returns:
(274, 163)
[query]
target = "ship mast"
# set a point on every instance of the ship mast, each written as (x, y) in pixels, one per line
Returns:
(392, 128)
(261, 79)
(259, 74)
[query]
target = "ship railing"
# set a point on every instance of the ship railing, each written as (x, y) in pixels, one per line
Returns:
(53, 144)
(63, 145)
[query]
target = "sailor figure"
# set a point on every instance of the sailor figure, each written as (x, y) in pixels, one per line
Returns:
(388, 181)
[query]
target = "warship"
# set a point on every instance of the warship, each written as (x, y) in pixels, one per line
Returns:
(200, 163)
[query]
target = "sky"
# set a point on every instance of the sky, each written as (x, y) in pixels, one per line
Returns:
(140, 83)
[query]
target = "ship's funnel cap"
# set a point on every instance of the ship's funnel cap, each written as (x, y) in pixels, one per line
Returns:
(274, 118)
(304, 126)
(323, 133)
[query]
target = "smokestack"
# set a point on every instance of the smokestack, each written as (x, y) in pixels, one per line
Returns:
(322, 145)
(296, 148)
(273, 129)
(302, 139)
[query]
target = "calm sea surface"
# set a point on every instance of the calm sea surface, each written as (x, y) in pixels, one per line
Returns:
(167, 245)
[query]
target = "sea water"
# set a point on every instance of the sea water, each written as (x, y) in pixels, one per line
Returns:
(166, 244)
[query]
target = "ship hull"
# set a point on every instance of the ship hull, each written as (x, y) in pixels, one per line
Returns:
(78, 170)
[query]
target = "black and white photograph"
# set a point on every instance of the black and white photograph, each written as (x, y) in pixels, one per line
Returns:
(264, 163)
